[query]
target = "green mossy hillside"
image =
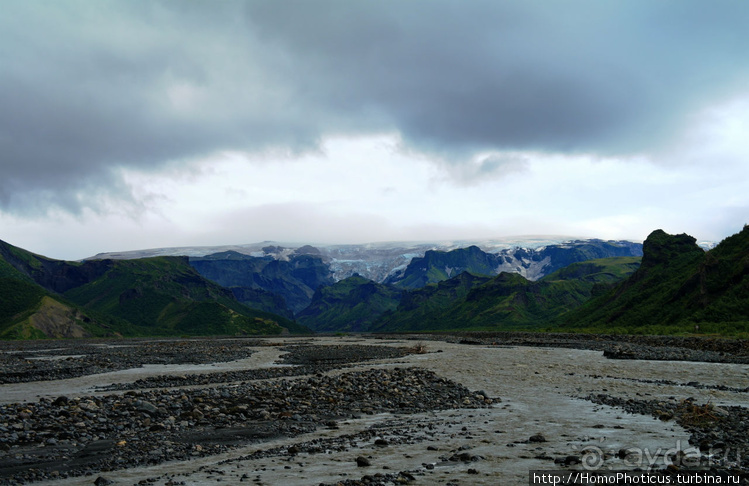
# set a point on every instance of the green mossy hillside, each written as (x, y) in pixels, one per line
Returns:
(424, 309)
(165, 295)
(679, 288)
(351, 304)
(42, 297)
(507, 301)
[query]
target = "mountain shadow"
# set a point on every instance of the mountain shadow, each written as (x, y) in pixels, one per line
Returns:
(294, 280)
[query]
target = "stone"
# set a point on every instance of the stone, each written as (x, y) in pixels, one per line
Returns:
(144, 406)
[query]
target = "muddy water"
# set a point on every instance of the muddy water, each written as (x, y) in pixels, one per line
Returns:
(541, 392)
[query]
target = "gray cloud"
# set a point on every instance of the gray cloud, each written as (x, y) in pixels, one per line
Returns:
(88, 88)
(588, 75)
(492, 167)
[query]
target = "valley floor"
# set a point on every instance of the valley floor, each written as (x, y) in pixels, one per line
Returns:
(330, 415)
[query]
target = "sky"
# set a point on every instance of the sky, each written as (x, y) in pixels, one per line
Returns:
(127, 125)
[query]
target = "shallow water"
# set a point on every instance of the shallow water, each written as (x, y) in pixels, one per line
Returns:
(541, 391)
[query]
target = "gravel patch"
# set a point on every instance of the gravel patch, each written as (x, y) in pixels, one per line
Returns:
(719, 435)
(26, 361)
(366, 410)
(306, 359)
(83, 436)
(659, 348)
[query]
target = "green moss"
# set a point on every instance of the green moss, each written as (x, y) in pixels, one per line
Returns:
(507, 301)
(680, 289)
(351, 304)
(146, 297)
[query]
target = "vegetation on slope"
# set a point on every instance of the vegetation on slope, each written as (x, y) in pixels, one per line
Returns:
(423, 309)
(436, 266)
(507, 301)
(678, 289)
(352, 304)
(42, 297)
(256, 280)
(164, 295)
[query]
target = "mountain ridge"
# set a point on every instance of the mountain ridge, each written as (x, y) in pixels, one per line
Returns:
(678, 288)
(295, 274)
(506, 301)
(376, 261)
(42, 297)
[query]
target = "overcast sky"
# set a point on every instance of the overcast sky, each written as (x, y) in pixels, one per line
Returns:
(140, 124)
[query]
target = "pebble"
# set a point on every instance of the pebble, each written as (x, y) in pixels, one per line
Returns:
(120, 431)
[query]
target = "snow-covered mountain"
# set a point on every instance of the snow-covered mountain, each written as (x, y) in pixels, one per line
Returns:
(525, 255)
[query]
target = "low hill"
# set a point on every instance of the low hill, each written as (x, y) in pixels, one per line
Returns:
(679, 288)
(43, 297)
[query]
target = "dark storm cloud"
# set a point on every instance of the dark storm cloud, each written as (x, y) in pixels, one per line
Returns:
(88, 87)
(585, 75)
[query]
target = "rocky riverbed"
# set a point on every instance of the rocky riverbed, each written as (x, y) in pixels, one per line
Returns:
(455, 410)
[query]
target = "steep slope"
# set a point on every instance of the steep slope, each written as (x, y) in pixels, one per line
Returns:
(351, 304)
(28, 311)
(537, 263)
(294, 279)
(51, 298)
(436, 266)
(54, 275)
(533, 264)
(165, 295)
(385, 262)
(262, 300)
(424, 309)
(508, 300)
(678, 288)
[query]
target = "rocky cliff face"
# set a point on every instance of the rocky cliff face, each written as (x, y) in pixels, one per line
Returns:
(531, 257)
(294, 277)
(532, 264)
(660, 248)
(436, 266)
